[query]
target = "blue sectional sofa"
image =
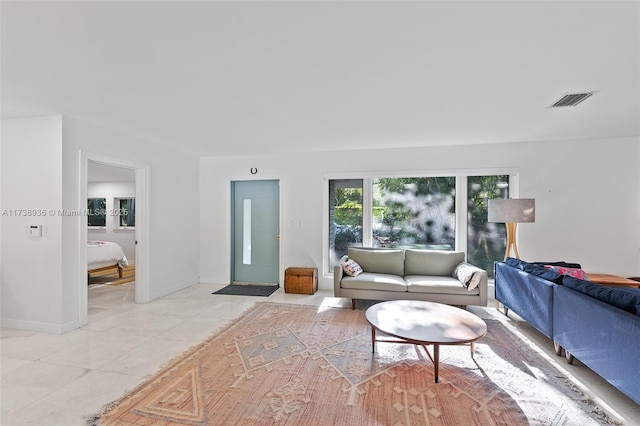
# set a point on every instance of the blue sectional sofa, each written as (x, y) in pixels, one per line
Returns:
(598, 325)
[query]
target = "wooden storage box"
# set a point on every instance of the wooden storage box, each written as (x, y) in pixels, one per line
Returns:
(301, 280)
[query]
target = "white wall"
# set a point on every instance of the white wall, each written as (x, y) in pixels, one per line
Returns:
(124, 237)
(174, 208)
(587, 198)
(42, 279)
(578, 187)
(31, 283)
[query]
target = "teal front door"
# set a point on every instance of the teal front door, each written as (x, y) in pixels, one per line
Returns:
(255, 231)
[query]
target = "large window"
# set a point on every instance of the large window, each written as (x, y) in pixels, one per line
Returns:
(345, 217)
(486, 241)
(433, 212)
(414, 212)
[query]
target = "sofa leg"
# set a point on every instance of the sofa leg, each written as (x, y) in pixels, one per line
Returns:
(557, 348)
(463, 307)
(505, 310)
(568, 357)
(353, 304)
(498, 305)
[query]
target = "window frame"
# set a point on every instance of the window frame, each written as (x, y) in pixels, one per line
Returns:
(461, 176)
(117, 209)
(91, 209)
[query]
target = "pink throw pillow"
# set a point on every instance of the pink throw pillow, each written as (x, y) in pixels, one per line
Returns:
(573, 272)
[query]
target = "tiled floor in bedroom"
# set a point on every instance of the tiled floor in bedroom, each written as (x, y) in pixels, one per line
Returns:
(51, 380)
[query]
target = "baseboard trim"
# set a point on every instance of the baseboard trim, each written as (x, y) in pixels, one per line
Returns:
(41, 327)
(172, 289)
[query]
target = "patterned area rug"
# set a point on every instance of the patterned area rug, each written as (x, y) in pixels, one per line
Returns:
(284, 364)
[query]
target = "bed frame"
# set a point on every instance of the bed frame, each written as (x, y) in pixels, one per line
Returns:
(105, 268)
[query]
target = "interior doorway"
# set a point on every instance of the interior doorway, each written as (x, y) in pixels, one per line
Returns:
(255, 232)
(111, 208)
(138, 235)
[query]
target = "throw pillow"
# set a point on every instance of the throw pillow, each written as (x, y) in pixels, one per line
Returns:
(352, 268)
(572, 272)
(468, 275)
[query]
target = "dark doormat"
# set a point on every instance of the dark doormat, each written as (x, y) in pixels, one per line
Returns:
(248, 290)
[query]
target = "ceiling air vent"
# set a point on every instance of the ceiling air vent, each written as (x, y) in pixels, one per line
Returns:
(571, 99)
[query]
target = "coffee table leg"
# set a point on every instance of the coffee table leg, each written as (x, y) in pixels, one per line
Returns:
(373, 339)
(436, 360)
(473, 346)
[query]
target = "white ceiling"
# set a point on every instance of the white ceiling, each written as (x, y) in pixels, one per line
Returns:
(236, 78)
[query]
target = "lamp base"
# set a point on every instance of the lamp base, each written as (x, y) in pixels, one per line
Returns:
(511, 241)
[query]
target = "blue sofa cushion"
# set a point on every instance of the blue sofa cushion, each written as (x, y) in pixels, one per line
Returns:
(544, 273)
(515, 263)
(625, 299)
(562, 264)
(518, 263)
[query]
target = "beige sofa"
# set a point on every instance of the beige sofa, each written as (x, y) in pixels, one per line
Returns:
(409, 274)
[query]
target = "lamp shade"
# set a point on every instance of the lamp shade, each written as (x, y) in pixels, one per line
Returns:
(512, 210)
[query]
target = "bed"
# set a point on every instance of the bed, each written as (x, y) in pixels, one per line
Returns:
(104, 256)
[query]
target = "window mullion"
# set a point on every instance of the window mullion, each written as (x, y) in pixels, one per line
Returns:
(461, 213)
(367, 212)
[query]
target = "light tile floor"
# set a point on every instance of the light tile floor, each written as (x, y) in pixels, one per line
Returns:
(51, 380)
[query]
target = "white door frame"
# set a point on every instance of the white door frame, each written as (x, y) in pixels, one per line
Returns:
(141, 228)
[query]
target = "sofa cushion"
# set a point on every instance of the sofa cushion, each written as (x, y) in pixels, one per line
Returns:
(383, 261)
(536, 269)
(431, 262)
(547, 274)
(635, 291)
(561, 263)
(515, 263)
(374, 281)
(522, 264)
(436, 284)
(625, 299)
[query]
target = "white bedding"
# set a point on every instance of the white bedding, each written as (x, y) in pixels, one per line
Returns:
(104, 253)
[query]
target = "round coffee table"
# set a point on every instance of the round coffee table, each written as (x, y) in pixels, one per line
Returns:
(425, 323)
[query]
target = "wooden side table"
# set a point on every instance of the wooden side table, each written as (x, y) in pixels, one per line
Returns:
(301, 280)
(612, 280)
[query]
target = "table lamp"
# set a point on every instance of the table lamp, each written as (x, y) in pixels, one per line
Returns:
(512, 211)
